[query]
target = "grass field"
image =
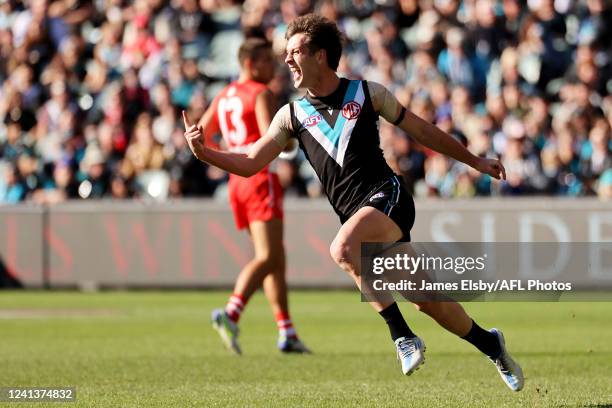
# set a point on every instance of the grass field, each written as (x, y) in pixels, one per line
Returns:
(156, 349)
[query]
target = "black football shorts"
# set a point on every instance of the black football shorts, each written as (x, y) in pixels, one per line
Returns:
(392, 198)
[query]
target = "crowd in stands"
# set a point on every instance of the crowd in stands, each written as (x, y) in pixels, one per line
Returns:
(91, 91)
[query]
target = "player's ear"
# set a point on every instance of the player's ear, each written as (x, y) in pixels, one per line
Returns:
(322, 56)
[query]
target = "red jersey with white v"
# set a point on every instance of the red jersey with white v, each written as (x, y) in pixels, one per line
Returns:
(259, 197)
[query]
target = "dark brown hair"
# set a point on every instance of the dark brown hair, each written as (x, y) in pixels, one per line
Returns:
(323, 34)
(251, 48)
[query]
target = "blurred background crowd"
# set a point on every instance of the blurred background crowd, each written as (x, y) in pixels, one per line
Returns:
(91, 91)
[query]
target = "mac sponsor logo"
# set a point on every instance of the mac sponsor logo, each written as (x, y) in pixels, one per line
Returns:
(351, 110)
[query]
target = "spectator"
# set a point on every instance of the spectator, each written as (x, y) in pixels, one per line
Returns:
(90, 91)
(12, 187)
(95, 174)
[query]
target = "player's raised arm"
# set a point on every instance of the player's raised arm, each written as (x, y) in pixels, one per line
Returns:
(263, 151)
(387, 105)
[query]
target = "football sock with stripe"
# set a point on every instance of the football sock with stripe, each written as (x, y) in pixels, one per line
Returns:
(235, 306)
(483, 340)
(397, 325)
(285, 326)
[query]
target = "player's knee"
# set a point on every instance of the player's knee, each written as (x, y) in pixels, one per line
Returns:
(339, 251)
(342, 254)
(271, 261)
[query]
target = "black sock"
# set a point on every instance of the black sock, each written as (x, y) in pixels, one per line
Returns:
(483, 340)
(397, 325)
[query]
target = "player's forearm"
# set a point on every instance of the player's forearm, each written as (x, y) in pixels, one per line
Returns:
(208, 125)
(431, 136)
(236, 163)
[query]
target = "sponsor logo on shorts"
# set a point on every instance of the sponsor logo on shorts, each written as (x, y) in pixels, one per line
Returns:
(376, 196)
(312, 120)
(351, 110)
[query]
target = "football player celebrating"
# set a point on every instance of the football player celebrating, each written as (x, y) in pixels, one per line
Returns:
(335, 124)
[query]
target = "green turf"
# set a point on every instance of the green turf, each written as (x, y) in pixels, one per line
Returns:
(150, 349)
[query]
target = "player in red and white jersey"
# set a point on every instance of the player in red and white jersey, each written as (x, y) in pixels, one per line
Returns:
(242, 112)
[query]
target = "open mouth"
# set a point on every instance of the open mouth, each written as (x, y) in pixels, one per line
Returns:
(296, 73)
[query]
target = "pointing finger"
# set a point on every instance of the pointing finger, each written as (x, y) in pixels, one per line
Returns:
(186, 120)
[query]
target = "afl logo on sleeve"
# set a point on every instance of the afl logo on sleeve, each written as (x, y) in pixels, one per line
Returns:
(312, 120)
(351, 110)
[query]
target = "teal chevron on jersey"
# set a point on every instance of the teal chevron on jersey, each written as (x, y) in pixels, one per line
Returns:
(333, 139)
(332, 134)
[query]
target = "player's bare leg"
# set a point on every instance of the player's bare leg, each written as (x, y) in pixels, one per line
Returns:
(249, 280)
(275, 288)
(371, 225)
(267, 268)
(366, 225)
(449, 315)
(267, 240)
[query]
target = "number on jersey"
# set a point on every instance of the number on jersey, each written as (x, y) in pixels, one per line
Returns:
(230, 120)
